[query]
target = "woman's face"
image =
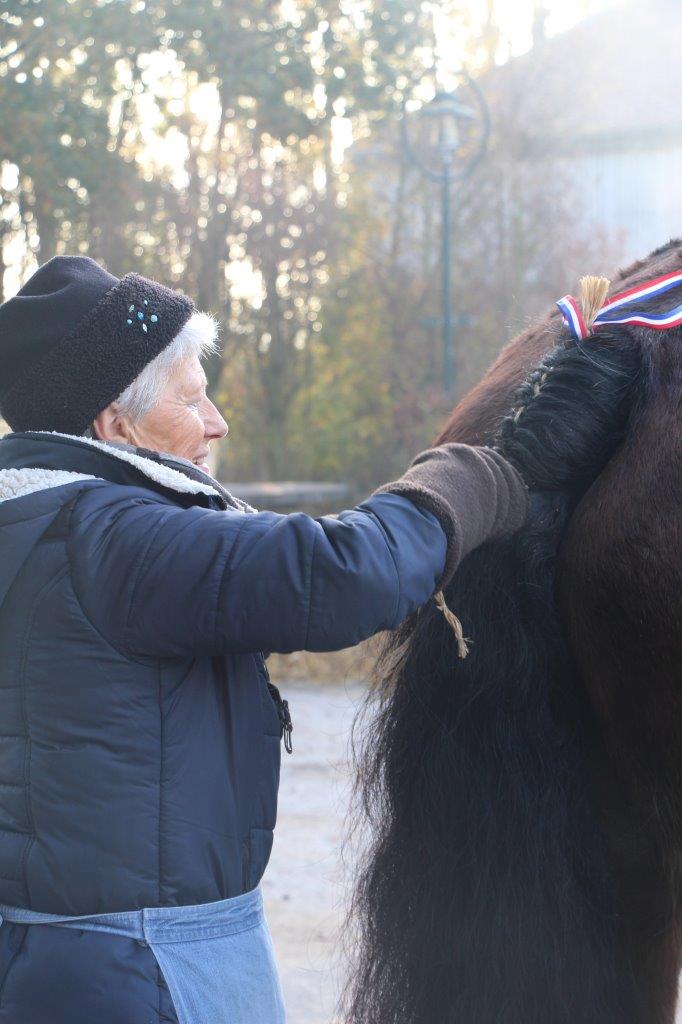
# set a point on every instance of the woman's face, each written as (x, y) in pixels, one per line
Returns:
(184, 421)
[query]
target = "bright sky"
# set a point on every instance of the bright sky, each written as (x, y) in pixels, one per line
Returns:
(515, 18)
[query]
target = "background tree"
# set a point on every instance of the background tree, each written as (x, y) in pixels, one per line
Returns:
(208, 145)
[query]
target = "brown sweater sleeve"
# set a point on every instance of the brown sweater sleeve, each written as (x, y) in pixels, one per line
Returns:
(474, 492)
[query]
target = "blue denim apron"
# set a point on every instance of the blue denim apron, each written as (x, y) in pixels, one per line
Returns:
(217, 958)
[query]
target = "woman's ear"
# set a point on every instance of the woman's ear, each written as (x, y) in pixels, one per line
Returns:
(111, 425)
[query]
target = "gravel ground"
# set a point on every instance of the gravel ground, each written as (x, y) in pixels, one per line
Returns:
(303, 885)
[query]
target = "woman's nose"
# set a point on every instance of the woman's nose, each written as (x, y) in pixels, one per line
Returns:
(215, 426)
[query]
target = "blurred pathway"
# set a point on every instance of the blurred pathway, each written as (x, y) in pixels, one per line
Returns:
(303, 885)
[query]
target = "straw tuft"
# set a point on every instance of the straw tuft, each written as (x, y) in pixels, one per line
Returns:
(593, 291)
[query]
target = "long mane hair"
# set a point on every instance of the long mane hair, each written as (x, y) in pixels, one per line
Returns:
(500, 789)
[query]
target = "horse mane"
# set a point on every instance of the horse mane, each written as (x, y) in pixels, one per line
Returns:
(487, 893)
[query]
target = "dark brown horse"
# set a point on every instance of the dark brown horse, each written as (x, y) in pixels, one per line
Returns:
(526, 803)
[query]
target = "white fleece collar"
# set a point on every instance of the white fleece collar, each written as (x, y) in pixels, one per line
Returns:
(15, 483)
(160, 474)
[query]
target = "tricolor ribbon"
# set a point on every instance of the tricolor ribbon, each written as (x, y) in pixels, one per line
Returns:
(609, 312)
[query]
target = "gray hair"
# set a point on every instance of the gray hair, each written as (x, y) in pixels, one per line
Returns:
(198, 337)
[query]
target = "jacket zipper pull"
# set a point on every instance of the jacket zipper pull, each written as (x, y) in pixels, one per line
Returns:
(286, 726)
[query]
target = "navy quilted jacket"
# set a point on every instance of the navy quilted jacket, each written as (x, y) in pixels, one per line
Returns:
(139, 744)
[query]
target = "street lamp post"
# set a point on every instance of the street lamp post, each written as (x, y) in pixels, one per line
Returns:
(448, 111)
(450, 115)
(448, 327)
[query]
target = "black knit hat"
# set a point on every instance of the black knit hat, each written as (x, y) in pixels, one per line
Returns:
(74, 337)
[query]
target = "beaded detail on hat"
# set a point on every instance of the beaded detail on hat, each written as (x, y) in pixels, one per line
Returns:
(140, 316)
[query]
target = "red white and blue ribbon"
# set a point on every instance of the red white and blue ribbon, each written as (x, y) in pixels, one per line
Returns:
(623, 308)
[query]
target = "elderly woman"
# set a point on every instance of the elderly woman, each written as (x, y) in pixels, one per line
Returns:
(140, 739)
